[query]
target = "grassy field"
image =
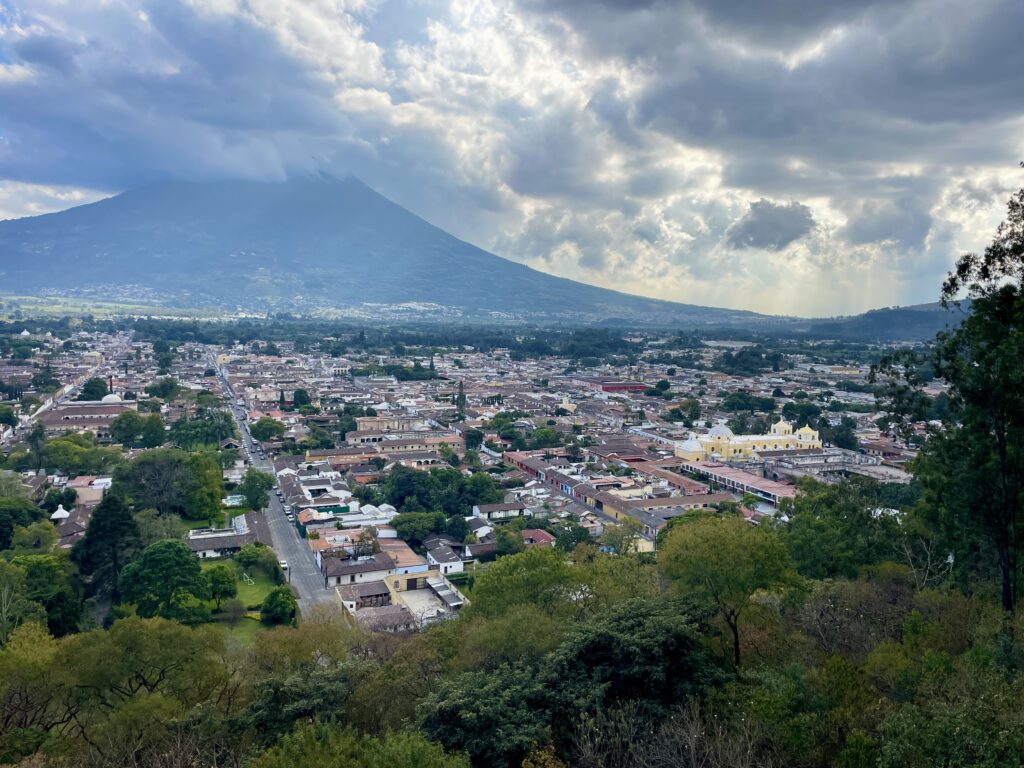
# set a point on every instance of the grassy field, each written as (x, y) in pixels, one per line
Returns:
(38, 306)
(253, 594)
(194, 524)
(250, 594)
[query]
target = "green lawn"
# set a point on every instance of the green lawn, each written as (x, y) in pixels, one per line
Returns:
(193, 524)
(249, 594)
(253, 594)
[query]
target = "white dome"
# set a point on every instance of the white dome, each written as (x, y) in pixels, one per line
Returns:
(111, 398)
(60, 513)
(720, 430)
(692, 444)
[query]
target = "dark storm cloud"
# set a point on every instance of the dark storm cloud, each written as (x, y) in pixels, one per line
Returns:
(771, 226)
(206, 96)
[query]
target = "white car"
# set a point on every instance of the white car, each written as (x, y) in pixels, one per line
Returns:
(284, 564)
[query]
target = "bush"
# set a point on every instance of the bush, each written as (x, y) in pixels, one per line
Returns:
(279, 606)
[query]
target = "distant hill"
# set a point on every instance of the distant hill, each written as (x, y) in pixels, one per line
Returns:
(314, 244)
(914, 323)
(334, 247)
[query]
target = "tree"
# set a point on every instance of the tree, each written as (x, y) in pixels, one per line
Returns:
(93, 389)
(509, 541)
(36, 439)
(56, 498)
(15, 607)
(222, 582)
(127, 428)
(473, 437)
(266, 428)
(165, 581)
(12, 486)
(38, 537)
(255, 487)
(161, 479)
(153, 432)
(460, 399)
(154, 527)
(416, 526)
(301, 397)
(835, 530)
(15, 511)
(204, 502)
(973, 468)
(7, 417)
(166, 389)
(457, 527)
(110, 541)
(279, 606)
(726, 561)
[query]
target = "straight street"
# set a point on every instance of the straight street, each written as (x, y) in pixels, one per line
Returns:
(303, 574)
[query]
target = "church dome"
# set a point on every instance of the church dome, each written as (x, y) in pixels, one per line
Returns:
(60, 513)
(111, 398)
(720, 430)
(691, 445)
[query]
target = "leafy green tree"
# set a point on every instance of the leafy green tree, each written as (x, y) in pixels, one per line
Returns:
(126, 428)
(462, 712)
(255, 487)
(416, 526)
(540, 576)
(221, 582)
(12, 486)
(509, 540)
(166, 389)
(36, 537)
(310, 693)
(279, 606)
(154, 527)
(301, 397)
(801, 414)
(55, 497)
(835, 530)
(50, 582)
(570, 535)
(474, 438)
(726, 561)
(153, 432)
(204, 502)
(973, 468)
(266, 428)
(165, 581)
(36, 439)
(161, 479)
(15, 511)
(15, 605)
(93, 389)
(111, 540)
(7, 417)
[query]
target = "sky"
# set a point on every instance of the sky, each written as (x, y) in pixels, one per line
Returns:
(788, 156)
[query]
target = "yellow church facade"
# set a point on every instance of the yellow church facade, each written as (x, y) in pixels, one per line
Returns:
(721, 443)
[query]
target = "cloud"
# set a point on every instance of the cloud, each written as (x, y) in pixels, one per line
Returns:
(770, 225)
(648, 146)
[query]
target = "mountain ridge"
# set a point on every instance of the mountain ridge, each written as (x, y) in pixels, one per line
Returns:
(323, 246)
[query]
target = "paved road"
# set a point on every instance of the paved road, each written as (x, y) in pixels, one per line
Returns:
(302, 571)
